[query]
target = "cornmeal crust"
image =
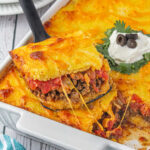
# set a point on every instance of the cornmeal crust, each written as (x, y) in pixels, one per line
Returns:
(59, 56)
(94, 17)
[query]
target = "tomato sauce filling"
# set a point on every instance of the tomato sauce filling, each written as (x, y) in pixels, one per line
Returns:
(53, 84)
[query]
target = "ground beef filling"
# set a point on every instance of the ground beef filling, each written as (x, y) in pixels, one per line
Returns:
(79, 82)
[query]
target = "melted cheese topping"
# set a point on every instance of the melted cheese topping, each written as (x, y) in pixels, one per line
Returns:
(94, 17)
(55, 57)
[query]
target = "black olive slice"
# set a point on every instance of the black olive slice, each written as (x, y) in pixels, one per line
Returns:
(131, 43)
(121, 40)
(132, 36)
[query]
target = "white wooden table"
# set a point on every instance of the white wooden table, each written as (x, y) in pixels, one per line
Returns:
(12, 30)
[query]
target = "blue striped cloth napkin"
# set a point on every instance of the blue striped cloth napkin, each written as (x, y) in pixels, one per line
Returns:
(7, 143)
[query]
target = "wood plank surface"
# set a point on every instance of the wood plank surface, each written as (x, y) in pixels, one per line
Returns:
(1, 128)
(7, 26)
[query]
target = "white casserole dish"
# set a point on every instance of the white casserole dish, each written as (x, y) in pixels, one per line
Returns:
(46, 129)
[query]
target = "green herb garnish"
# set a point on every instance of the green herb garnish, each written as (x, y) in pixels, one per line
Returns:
(126, 68)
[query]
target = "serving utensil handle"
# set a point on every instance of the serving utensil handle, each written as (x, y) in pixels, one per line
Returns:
(34, 21)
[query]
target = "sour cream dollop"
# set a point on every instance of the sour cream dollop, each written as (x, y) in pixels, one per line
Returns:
(124, 54)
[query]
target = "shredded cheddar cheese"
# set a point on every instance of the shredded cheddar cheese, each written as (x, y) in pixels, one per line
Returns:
(69, 101)
(81, 97)
(87, 79)
(128, 103)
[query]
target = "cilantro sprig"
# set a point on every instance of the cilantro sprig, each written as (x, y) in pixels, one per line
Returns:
(125, 68)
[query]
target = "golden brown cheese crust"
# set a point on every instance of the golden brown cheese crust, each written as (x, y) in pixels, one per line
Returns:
(77, 16)
(94, 17)
(55, 57)
(16, 93)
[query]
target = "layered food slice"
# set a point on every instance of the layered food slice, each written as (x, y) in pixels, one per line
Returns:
(102, 117)
(61, 70)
